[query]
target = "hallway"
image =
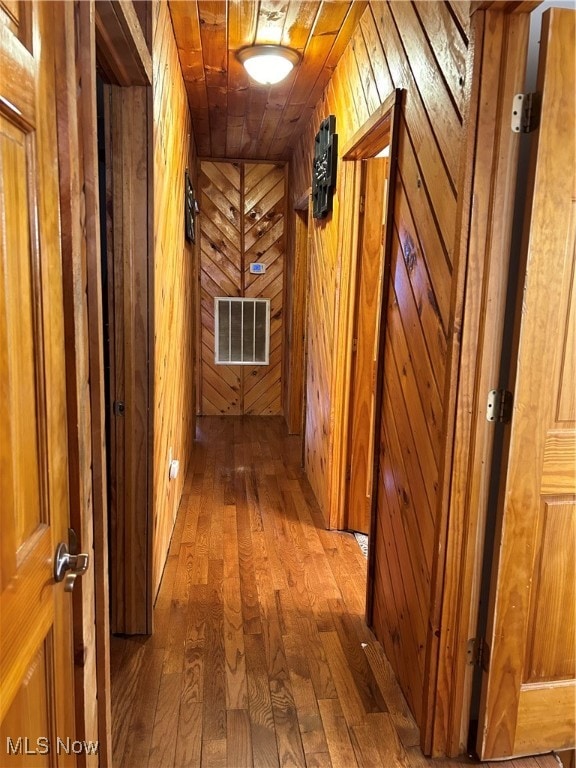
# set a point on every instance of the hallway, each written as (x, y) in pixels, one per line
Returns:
(260, 655)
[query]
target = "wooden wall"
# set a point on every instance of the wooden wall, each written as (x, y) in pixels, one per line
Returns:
(241, 221)
(422, 49)
(174, 280)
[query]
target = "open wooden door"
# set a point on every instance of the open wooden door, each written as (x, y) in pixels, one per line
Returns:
(36, 661)
(529, 691)
(365, 343)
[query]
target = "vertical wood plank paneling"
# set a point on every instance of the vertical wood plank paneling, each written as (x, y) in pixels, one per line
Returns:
(242, 221)
(174, 286)
(424, 51)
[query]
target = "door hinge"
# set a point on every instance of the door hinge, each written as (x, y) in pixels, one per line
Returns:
(354, 345)
(478, 653)
(361, 203)
(525, 112)
(499, 405)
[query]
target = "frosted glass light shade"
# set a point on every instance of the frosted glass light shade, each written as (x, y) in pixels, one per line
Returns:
(268, 64)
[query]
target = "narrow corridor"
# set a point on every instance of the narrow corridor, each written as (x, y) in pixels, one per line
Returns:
(260, 655)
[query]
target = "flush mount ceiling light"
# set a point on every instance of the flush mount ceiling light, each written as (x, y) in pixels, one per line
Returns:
(268, 64)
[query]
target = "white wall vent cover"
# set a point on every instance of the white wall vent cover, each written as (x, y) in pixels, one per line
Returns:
(242, 331)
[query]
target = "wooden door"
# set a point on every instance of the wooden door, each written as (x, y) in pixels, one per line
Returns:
(365, 344)
(242, 222)
(264, 214)
(221, 235)
(529, 691)
(36, 681)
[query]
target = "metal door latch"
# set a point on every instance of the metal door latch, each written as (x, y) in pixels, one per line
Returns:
(68, 564)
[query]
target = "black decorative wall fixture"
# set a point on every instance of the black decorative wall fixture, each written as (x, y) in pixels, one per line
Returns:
(324, 167)
(190, 210)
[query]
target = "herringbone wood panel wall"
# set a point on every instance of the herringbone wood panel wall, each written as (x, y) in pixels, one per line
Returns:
(242, 221)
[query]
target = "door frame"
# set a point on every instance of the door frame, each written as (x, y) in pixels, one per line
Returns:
(83, 308)
(499, 40)
(380, 130)
(365, 210)
(532, 697)
(123, 56)
(296, 312)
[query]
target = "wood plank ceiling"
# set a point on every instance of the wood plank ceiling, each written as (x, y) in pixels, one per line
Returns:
(232, 116)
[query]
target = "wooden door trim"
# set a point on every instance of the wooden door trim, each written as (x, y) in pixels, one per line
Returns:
(90, 338)
(87, 59)
(303, 202)
(123, 52)
(123, 56)
(530, 708)
(84, 362)
(376, 133)
(373, 135)
(499, 43)
(372, 171)
(296, 304)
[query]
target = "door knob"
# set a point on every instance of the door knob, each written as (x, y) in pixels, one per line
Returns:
(68, 565)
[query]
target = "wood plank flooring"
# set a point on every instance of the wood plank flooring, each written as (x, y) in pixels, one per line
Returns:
(260, 657)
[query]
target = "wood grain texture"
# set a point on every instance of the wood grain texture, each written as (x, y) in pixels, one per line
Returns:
(123, 54)
(370, 270)
(36, 643)
(221, 274)
(305, 685)
(242, 221)
(233, 117)
(127, 245)
(174, 278)
(295, 309)
(499, 71)
(396, 45)
(532, 697)
(88, 114)
(80, 240)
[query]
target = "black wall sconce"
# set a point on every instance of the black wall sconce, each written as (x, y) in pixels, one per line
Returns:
(324, 168)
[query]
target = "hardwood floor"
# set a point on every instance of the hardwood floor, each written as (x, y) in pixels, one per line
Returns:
(260, 655)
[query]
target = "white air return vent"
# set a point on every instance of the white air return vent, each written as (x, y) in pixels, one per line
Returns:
(242, 331)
